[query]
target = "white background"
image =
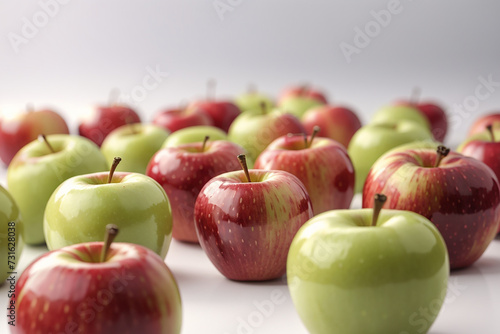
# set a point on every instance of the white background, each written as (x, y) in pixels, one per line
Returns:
(90, 47)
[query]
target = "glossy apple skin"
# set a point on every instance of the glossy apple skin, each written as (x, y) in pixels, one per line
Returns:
(348, 277)
(222, 113)
(135, 144)
(246, 228)
(435, 114)
(481, 123)
(22, 129)
(105, 119)
(461, 197)
(69, 291)
(183, 171)
(35, 173)
(11, 234)
(81, 207)
(373, 140)
(325, 169)
(254, 131)
(401, 113)
(337, 123)
(194, 134)
(176, 119)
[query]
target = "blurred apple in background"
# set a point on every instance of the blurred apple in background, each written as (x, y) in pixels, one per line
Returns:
(135, 144)
(18, 130)
(11, 235)
(183, 170)
(256, 129)
(98, 288)
(396, 113)
(104, 119)
(81, 207)
(359, 271)
(373, 140)
(194, 134)
(174, 119)
(321, 164)
(335, 122)
(459, 194)
(246, 220)
(480, 124)
(253, 100)
(40, 167)
(297, 100)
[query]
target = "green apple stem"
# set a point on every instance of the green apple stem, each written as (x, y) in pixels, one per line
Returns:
(415, 95)
(211, 85)
(43, 138)
(116, 161)
(111, 232)
(490, 130)
(378, 203)
(243, 162)
(313, 135)
(204, 143)
(442, 151)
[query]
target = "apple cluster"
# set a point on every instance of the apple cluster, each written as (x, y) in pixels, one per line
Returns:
(264, 187)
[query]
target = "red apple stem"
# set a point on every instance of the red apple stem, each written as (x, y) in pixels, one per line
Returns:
(313, 135)
(204, 143)
(442, 151)
(243, 162)
(415, 95)
(43, 138)
(116, 161)
(211, 85)
(111, 233)
(490, 130)
(378, 203)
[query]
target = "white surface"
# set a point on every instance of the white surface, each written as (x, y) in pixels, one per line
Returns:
(215, 305)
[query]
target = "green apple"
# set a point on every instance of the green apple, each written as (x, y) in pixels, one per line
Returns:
(135, 144)
(81, 207)
(373, 140)
(11, 232)
(194, 134)
(38, 169)
(253, 100)
(400, 113)
(298, 105)
(484, 136)
(360, 272)
(255, 130)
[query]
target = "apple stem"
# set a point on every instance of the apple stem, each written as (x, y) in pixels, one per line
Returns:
(211, 85)
(43, 138)
(490, 130)
(111, 232)
(113, 96)
(378, 203)
(116, 161)
(204, 143)
(243, 162)
(263, 107)
(313, 135)
(442, 151)
(415, 95)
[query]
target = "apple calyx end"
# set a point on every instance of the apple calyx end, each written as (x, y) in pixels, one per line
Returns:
(243, 162)
(111, 233)
(116, 162)
(442, 151)
(43, 138)
(378, 203)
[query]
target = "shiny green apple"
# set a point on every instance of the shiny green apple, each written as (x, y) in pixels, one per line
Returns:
(348, 277)
(135, 144)
(11, 232)
(194, 134)
(401, 113)
(36, 171)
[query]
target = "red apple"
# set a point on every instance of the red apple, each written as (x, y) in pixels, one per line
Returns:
(183, 170)
(222, 113)
(481, 123)
(97, 288)
(322, 165)
(303, 91)
(246, 228)
(336, 122)
(105, 119)
(459, 194)
(179, 118)
(23, 128)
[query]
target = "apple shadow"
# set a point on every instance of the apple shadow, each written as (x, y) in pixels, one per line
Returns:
(281, 281)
